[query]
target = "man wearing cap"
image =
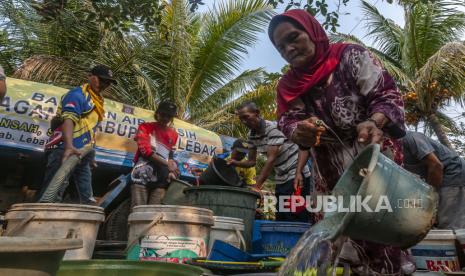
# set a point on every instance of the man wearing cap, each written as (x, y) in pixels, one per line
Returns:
(154, 160)
(2, 84)
(240, 149)
(78, 115)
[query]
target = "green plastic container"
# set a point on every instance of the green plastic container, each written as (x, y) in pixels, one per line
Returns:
(413, 203)
(125, 268)
(227, 202)
(175, 193)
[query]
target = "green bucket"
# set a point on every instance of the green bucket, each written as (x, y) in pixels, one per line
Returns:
(227, 202)
(175, 193)
(373, 175)
(124, 268)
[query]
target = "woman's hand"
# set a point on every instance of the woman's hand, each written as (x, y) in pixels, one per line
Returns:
(307, 132)
(369, 133)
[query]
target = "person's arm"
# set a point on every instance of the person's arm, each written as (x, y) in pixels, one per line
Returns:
(154, 158)
(246, 163)
(383, 99)
(271, 155)
(67, 130)
(144, 146)
(71, 113)
(434, 169)
(2, 84)
(301, 162)
(419, 146)
(2, 89)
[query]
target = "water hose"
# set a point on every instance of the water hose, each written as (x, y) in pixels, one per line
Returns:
(63, 173)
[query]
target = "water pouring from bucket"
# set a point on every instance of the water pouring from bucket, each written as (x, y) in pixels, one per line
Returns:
(373, 178)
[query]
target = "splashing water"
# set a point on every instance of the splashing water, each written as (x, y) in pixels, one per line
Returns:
(314, 254)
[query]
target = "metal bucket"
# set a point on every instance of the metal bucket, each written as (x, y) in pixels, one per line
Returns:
(175, 193)
(52, 220)
(413, 203)
(32, 256)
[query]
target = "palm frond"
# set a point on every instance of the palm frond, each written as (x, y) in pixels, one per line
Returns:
(225, 121)
(447, 67)
(437, 23)
(180, 66)
(227, 32)
(386, 34)
(229, 92)
(447, 123)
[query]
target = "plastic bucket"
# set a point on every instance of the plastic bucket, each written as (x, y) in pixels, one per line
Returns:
(53, 220)
(408, 204)
(175, 193)
(280, 236)
(227, 202)
(460, 236)
(436, 250)
(169, 233)
(219, 173)
(229, 230)
(125, 268)
(257, 236)
(33, 257)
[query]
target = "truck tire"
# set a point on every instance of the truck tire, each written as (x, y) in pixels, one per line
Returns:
(63, 173)
(116, 224)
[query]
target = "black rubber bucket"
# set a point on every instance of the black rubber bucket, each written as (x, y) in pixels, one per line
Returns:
(219, 173)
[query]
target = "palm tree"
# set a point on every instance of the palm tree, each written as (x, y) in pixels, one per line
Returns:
(207, 50)
(191, 58)
(425, 56)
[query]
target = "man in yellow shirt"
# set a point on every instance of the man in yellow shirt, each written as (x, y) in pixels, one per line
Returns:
(78, 115)
(239, 151)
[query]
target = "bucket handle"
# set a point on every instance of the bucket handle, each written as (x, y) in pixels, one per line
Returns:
(72, 234)
(154, 222)
(241, 239)
(20, 225)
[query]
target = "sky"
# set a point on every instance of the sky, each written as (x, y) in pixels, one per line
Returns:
(263, 54)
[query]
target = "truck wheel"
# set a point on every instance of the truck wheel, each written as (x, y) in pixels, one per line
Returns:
(116, 224)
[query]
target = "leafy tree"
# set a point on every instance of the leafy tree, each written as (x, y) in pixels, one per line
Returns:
(189, 58)
(425, 56)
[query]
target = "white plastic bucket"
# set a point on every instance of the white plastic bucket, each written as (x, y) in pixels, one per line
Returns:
(168, 233)
(53, 220)
(229, 230)
(460, 236)
(436, 251)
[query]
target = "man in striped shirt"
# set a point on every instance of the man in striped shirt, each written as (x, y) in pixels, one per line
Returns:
(282, 156)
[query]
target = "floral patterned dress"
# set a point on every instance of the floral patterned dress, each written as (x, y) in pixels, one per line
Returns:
(358, 88)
